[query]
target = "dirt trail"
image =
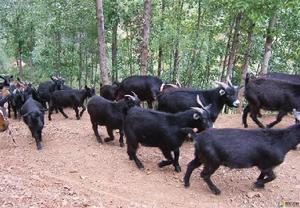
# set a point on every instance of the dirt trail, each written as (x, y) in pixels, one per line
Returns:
(73, 170)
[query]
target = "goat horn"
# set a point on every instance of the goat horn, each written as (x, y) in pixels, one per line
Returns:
(135, 95)
(222, 84)
(161, 87)
(172, 85)
(229, 82)
(130, 96)
(199, 102)
(200, 110)
(178, 83)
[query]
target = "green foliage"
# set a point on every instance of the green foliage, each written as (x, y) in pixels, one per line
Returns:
(60, 37)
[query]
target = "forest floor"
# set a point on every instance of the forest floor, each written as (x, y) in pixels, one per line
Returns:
(73, 170)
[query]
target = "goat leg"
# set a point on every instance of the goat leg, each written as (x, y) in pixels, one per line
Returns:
(206, 173)
(83, 109)
(260, 183)
(176, 158)
(121, 140)
(61, 110)
(169, 158)
(280, 115)
(191, 167)
(95, 129)
(111, 135)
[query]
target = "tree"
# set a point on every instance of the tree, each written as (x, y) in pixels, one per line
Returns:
(145, 37)
(101, 43)
(268, 45)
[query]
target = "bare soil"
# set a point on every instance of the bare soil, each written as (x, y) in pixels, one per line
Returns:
(73, 170)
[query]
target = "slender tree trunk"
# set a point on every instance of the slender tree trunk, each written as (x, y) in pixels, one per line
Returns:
(114, 50)
(21, 74)
(235, 42)
(176, 61)
(194, 53)
(101, 43)
(268, 46)
(247, 57)
(86, 68)
(227, 50)
(145, 37)
(160, 50)
(80, 66)
(208, 58)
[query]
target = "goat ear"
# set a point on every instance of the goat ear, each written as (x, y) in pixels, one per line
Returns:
(222, 92)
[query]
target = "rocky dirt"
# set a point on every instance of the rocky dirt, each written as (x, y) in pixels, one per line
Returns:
(73, 170)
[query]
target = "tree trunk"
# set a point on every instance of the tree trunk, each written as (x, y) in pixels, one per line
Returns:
(160, 50)
(235, 42)
(176, 61)
(101, 43)
(19, 62)
(227, 50)
(194, 53)
(247, 57)
(268, 46)
(114, 50)
(145, 37)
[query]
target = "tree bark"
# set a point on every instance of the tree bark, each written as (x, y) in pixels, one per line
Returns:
(145, 37)
(235, 42)
(194, 53)
(227, 50)
(19, 62)
(101, 43)
(247, 57)
(268, 46)
(160, 50)
(176, 61)
(114, 51)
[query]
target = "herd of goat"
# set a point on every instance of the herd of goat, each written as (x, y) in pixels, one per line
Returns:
(180, 113)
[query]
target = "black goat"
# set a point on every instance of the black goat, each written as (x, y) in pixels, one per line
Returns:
(239, 148)
(166, 131)
(110, 114)
(69, 98)
(109, 91)
(46, 88)
(146, 88)
(282, 76)
(182, 99)
(20, 91)
(269, 94)
(6, 81)
(33, 116)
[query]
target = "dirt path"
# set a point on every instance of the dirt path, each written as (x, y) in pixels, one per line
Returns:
(73, 170)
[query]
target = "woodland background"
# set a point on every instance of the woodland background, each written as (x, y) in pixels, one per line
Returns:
(194, 41)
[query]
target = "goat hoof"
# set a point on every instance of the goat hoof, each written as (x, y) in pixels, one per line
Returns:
(186, 184)
(99, 141)
(142, 168)
(177, 168)
(39, 146)
(161, 164)
(108, 139)
(216, 191)
(122, 145)
(259, 184)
